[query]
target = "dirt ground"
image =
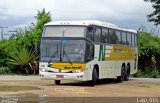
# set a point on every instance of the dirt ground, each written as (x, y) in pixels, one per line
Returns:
(104, 88)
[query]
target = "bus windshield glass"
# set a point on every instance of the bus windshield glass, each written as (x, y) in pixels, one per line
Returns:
(64, 31)
(62, 50)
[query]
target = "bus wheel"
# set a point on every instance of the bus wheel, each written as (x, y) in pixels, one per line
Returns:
(127, 73)
(121, 78)
(94, 77)
(57, 82)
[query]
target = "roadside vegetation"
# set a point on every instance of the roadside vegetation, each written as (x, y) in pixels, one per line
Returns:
(19, 54)
(149, 46)
(148, 54)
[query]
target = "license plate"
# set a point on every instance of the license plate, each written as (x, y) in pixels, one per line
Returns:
(59, 76)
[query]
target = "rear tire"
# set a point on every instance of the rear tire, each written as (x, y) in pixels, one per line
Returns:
(127, 73)
(121, 78)
(57, 82)
(94, 78)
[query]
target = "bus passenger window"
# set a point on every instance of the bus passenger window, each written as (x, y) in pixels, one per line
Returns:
(90, 32)
(118, 33)
(123, 38)
(97, 34)
(113, 37)
(129, 39)
(105, 36)
(89, 52)
(135, 39)
(132, 39)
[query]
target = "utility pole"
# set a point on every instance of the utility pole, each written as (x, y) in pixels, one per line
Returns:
(2, 27)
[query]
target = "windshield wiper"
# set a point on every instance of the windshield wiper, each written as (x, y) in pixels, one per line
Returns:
(67, 57)
(56, 52)
(52, 56)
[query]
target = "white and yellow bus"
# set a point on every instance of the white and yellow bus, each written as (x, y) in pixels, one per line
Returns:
(87, 50)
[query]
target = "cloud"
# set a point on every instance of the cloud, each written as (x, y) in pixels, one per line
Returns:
(130, 13)
(3, 18)
(95, 7)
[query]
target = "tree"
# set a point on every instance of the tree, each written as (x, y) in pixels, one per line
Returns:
(3, 54)
(148, 53)
(23, 37)
(42, 18)
(155, 16)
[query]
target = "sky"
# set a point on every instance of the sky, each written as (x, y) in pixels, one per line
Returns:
(124, 13)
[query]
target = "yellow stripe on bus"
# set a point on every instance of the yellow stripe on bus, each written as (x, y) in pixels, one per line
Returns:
(121, 53)
(69, 66)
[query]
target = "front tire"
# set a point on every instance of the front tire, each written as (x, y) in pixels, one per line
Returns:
(57, 82)
(94, 78)
(121, 78)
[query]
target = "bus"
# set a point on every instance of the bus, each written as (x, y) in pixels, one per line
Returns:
(87, 50)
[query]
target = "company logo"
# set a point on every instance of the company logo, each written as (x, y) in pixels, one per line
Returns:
(72, 67)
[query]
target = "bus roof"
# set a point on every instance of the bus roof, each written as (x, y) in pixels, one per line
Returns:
(89, 22)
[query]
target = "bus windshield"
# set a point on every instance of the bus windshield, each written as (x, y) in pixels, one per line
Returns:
(64, 31)
(62, 50)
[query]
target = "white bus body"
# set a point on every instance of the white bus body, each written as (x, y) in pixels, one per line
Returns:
(87, 50)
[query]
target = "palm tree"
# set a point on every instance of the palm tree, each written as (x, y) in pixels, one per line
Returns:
(24, 58)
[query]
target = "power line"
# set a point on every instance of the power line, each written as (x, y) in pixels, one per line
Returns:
(2, 33)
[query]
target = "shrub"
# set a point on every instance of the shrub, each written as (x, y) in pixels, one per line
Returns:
(139, 73)
(24, 58)
(147, 73)
(5, 70)
(153, 74)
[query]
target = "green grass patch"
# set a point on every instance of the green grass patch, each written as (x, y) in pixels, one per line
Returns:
(24, 95)
(149, 73)
(14, 74)
(17, 88)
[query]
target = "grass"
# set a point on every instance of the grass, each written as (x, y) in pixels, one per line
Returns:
(24, 95)
(17, 88)
(12, 74)
(149, 73)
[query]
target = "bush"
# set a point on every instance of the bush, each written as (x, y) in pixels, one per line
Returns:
(153, 74)
(5, 70)
(30, 38)
(139, 73)
(148, 54)
(23, 58)
(148, 73)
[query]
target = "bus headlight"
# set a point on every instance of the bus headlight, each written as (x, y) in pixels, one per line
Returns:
(43, 70)
(78, 71)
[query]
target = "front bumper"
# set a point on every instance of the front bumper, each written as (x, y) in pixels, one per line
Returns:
(66, 76)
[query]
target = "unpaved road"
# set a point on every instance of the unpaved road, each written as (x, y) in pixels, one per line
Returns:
(135, 87)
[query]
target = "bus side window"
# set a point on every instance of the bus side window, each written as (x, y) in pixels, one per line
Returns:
(133, 40)
(105, 36)
(123, 38)
(118, 33)
(89, 52)
(90, 35)
(129, 39)
(97, 35)
(113, 36)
